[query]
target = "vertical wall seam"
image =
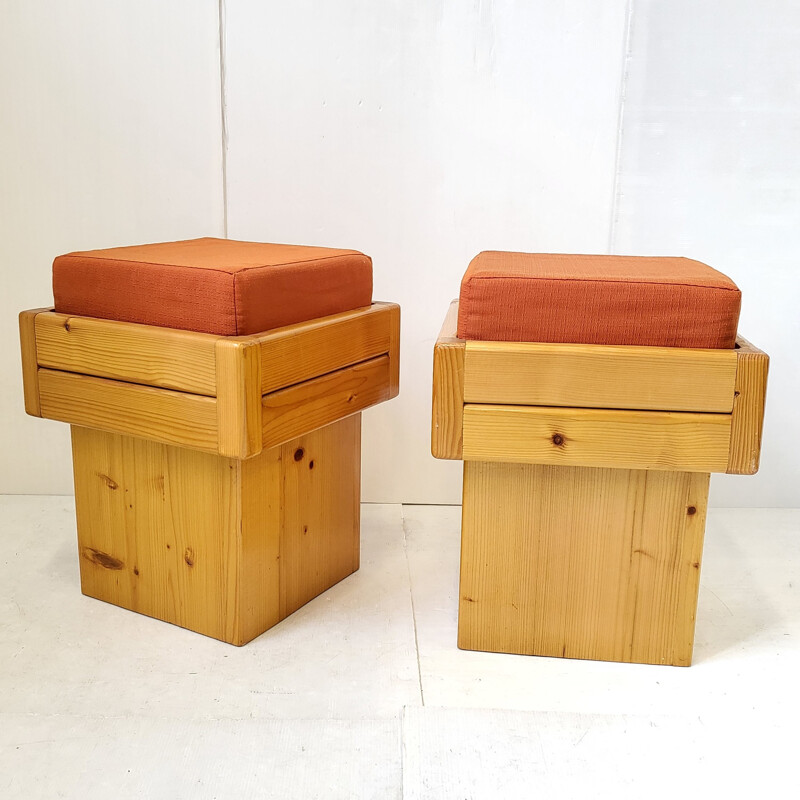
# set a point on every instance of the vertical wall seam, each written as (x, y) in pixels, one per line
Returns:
(623, 88)
(223, 113)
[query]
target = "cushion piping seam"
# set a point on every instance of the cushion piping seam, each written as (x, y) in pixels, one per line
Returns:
(235, 308)
(214, 269)
(599, 280)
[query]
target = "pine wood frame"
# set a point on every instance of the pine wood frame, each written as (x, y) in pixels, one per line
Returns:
(586, 472)
(217, 479)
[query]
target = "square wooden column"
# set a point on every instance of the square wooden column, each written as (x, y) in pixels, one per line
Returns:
(581, 562)
(222, 546)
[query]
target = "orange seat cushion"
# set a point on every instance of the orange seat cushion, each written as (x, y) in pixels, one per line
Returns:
(527, 297)
(212, 285)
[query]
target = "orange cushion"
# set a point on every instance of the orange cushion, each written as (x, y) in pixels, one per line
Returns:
(212, 285)
(527, 297)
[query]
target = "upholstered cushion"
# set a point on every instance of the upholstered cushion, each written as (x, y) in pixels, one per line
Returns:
(212, 285)
(526, 297)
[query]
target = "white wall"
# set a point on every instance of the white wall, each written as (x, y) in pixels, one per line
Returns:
(109, 135)
(710, 168)
(421, 133)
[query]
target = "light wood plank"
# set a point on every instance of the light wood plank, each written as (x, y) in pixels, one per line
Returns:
(394, 352)
(448, 389)
(321, 511)
(259, 557)
(580, 562)
(748, 409)
(30, 369)
(585, 437)
(599, 376)
(159, 414)
(157, 529)
(298, 353)
(221, 546)
(289, 413)
(164, 357)
(665, 568)
(238, 398)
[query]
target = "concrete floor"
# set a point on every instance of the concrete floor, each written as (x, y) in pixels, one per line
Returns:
(363, 693)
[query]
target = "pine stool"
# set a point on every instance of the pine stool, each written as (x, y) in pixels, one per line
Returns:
(589, 398)
(213, 389)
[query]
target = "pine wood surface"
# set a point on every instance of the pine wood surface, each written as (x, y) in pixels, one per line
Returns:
(581, 562)
(448, 390)
(491, 376)
(321, 496)
(156, 529)
(162, 415)
(748, 409)
(163, 357)
(222, 546)
(260, 567)
(122, 367)
(597, 437)
(290, 412)
(30, 369)
(307, 350)
(238, 398)
(185, 360)
(394, 351)
(599, 376)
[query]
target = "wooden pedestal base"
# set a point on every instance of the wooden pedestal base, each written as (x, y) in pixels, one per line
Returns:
(222, 546)
(581, 562)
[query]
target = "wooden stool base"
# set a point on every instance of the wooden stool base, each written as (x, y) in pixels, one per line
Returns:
(581, 562)
(221, 546)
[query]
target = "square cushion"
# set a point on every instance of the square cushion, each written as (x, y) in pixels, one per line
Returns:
(633, 300)
(212, 285)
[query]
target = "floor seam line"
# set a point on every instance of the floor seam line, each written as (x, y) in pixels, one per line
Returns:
(413, 608)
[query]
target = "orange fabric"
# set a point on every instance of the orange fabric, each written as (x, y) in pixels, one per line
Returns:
(212, 285)
(527, 297)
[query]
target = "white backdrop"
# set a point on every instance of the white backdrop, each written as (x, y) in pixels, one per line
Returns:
(421, 133)
(109, 135)
(710, 168)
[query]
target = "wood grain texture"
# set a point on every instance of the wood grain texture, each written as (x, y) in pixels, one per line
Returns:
(660, 440)
(321, 511)
(163, 415)
(354, 356)
(238, 398)
(172, 359)
(30, 368)
(261, 530)
(748, 409)
(448, 390)
(221, 546)
(599, 376)
(289, 413)
(394, 351)
(581, 562)
(158, 529)
(307, 350)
